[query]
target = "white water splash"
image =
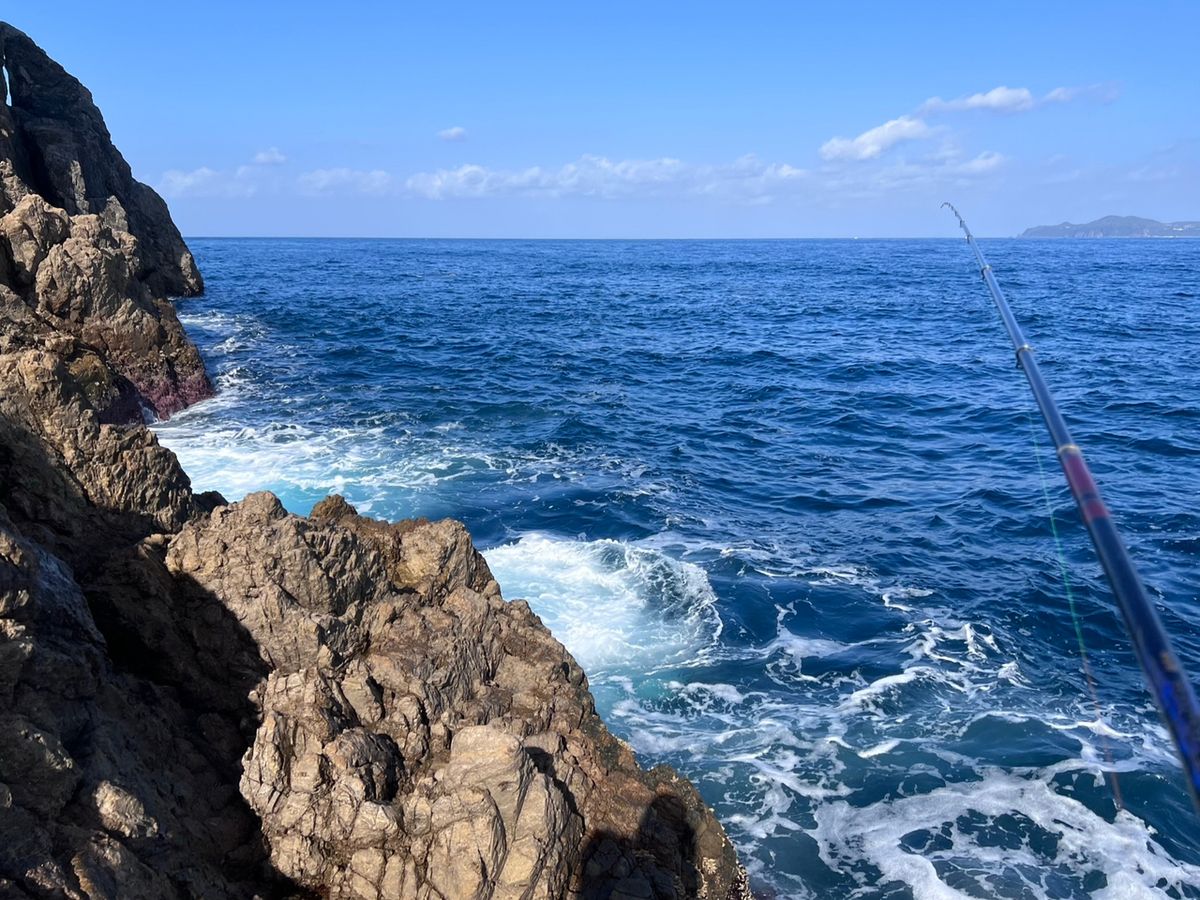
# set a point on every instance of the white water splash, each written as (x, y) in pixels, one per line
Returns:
(614, 605)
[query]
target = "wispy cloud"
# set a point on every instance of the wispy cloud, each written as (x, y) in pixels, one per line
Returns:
(871, 143)
(941, 170)
(206, 182)
(998, 99)
(455, 133)
(597, 176)
(1105, 92)
(242, 181)
(342, 180)
(272, 156)
(1013, 100)
(746, 180)
(987, 161)
(874, 142)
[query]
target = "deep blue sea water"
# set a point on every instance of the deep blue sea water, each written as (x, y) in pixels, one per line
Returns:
(782, 500)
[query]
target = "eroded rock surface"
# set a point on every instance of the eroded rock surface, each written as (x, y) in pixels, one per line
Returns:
(202, 699)
(88, 255)
(422, 737)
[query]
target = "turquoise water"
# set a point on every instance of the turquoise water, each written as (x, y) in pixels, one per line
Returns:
(782, 501)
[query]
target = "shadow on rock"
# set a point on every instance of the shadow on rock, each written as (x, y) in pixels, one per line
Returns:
(660, 863)
(125, 710)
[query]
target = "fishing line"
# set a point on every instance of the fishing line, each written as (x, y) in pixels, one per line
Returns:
(1165, 676)
(1085, 663)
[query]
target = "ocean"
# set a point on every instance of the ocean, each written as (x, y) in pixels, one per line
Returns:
(788, 503)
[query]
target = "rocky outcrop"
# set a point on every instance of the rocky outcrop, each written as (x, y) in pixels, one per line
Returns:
(202, 699)
(422, 737)
(54, 143)
(88, 255)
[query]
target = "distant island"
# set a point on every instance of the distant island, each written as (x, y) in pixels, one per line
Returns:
(1116, 227)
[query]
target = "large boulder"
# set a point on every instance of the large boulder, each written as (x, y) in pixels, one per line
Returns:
(421, 737)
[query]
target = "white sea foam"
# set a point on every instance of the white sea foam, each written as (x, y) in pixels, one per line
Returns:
(781, 757)
(613, 604)
(373, 463)
(879, 749)
(211, 321)
(969, 848)
(800, 647)
(237, 460)
(725, 693)
(867, 698)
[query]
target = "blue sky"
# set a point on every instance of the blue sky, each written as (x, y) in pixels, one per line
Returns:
(642, 120)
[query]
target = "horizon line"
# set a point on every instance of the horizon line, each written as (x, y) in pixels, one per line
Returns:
(401, 237)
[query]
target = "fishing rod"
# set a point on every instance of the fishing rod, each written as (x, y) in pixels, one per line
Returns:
(1165, 676)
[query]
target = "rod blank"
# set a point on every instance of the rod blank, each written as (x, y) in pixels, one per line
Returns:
(1165, 676)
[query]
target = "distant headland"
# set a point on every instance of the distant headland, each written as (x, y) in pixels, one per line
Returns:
(1116, 227)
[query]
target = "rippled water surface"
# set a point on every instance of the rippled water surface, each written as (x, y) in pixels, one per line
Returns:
(782, 500)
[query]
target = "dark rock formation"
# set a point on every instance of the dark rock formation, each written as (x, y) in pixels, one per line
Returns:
(88, 255)
(208, 700)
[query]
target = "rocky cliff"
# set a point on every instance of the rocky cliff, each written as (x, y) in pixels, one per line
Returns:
(202, 699)
(90, 255)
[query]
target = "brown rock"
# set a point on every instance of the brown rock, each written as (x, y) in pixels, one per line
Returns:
(55, 144)
(422, 733)
(86, 251)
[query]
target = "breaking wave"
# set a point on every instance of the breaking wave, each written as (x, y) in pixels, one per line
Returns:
(616, 606)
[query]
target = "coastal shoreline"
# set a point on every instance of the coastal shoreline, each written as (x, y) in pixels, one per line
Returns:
(220, 700)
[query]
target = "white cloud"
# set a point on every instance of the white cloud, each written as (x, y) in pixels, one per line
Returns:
(870, 144)
(456, 133)
(998, 99)
(745, 179)
(176, 183)
(940, 170)
(358, 181)
(272, 156)
(1014, 100)
(1061, 95)
(874, 142)
(1103, 93)
(242, 181)
(985, 162)
(206, 182)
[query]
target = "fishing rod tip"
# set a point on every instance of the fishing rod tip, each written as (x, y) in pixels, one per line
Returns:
(954, 209)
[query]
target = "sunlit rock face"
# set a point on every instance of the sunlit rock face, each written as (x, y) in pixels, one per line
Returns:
(88, 255)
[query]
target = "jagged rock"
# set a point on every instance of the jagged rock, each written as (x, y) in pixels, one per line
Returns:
(421, 736)
(79, 483)
(201, 699)
(87, 253)
(55, 144)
